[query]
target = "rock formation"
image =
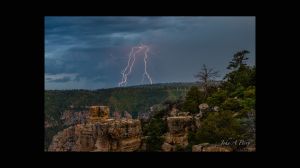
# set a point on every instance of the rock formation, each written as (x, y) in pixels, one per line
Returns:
(178, 130)
(98, 114)
(99, 134)
(177, 135)
(203, 106)
(205, 147)
(166, 147)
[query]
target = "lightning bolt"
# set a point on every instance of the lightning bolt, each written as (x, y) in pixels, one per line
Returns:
(145, 71)
(131, 60)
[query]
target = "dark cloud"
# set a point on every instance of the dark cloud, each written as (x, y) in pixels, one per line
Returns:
(96, 48)
(102, 25)
(64, 79)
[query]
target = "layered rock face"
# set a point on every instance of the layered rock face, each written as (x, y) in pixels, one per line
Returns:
(100, 134)
(178, 130)
(178, 127)
(179, 124)
(98, 113)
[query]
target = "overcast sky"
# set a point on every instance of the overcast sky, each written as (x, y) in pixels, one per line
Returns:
(91, 52)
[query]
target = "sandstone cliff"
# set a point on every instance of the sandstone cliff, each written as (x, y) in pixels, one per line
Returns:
(179, 124)
(99, 134)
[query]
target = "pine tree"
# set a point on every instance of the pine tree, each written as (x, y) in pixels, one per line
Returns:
(193, 99)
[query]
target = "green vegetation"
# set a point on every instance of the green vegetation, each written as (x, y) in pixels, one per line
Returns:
(235, 98)
(218, 126)
(217, 98)
(154, 131)
(157, 126)
(193, 99)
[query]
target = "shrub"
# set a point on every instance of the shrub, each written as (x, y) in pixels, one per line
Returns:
(193, 99)
(231, 104)
(217, 98)
(155, 129)
(216, 127)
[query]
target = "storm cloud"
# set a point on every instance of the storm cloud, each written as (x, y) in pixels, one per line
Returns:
(90, 52)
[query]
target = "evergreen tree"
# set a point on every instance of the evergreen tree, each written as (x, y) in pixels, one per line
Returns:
(193, 99)
(241, 74)
(238, 60)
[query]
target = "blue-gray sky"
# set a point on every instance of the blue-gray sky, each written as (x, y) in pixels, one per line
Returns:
(90, 52)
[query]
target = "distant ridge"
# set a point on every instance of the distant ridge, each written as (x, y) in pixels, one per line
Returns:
(156, 85)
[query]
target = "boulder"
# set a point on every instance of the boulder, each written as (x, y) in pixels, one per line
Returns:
(198, 148)
(216, 148)
(206, 147)
(166, 147)
(203, 106)
(216, 108)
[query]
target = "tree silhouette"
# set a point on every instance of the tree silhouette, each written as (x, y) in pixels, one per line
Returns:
(205, 76)
(238, 59)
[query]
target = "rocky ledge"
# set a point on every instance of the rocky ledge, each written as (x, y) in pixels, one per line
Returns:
(110, 135)
(100, 134)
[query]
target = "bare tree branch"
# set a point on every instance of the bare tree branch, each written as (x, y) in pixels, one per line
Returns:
(205, 75)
